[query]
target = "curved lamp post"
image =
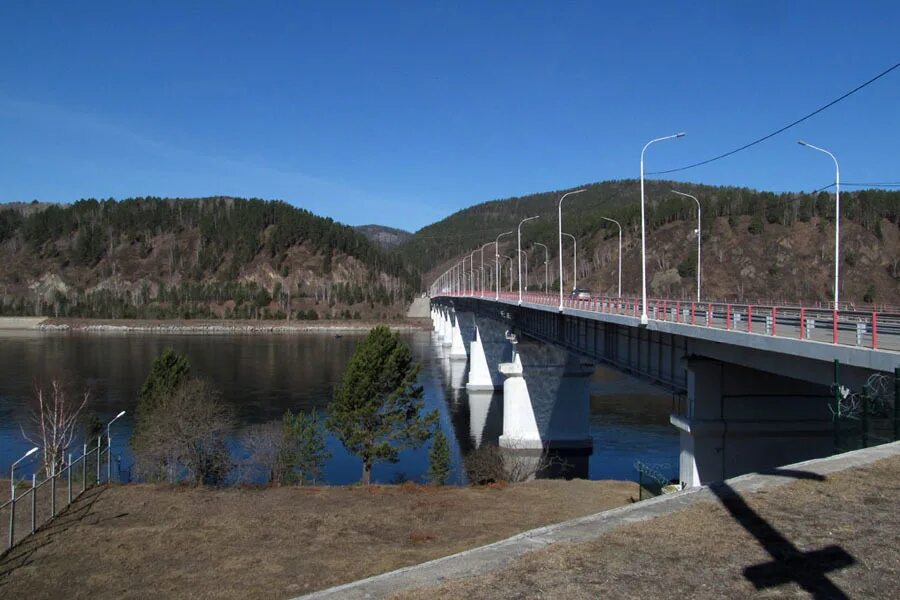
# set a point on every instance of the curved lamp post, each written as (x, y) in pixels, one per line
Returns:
(837, 218)
(482, 266)
(644, 318)
(546, 265)
(525, 254)
(509, 258)
(497, 261)
(698, 237)
(620, 252)
(12, 470)
(574, 260)
(109, 446)
(519, 252)
(561, 198)
(472, 270)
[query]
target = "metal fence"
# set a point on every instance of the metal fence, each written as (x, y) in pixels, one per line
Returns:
(867, 417)
(41, 501)
(651, 479)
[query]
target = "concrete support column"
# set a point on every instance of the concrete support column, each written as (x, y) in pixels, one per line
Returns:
(739, 420)
(520, 430)
(556, 385)
(447, 330)
(457, 346)
(479, 372)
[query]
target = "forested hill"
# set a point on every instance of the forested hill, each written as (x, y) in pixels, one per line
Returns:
(755, 244)
(191, 258)
(386, 237)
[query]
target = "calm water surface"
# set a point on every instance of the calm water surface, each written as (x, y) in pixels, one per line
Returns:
(262, 376)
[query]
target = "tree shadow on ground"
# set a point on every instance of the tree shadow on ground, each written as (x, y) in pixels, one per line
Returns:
(789, 564)
(22, 554)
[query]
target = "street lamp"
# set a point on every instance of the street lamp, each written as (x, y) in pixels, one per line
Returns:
(698, 237)
(574, 260)
(525, 254)
(561, 198)
(837, 217)
(546, 265)
(109, 445)
(644, 318)
(620, 253)
(497, 261)
(12, 471)
(509, 258)
(482, 267)
(519, 253)
(472, 270)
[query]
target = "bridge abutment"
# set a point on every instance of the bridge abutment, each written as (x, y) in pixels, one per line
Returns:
(739, 420)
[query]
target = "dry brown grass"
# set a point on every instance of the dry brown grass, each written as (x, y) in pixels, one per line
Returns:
(141, 541)
(701, 552)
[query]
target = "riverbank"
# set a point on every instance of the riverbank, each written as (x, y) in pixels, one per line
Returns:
(827, 528)
(141, 541)
(218, 327)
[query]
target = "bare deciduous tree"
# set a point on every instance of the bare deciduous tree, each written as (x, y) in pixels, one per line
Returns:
(264, 443)
(184, 436)
(490, 463)
(53, 418)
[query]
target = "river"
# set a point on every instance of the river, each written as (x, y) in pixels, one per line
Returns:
(261, 376)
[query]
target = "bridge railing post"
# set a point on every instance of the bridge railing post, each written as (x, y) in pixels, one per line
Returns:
(749, 318)
(774, 321)
(874, 330)
(834, 326)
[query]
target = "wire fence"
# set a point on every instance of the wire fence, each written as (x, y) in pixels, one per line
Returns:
(34, 503)
(866, 417)
(652, 479)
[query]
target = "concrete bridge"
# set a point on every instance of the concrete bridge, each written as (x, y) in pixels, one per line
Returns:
(756, 384)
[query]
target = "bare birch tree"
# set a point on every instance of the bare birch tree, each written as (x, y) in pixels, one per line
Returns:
(52, 423)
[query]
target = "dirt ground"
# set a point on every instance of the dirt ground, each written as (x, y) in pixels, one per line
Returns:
(143, 541)
(838, 538)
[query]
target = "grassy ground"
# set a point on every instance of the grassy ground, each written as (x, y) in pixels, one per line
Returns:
(846, 526)
(141, 541)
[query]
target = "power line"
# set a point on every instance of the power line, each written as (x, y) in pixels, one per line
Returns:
(782, 130)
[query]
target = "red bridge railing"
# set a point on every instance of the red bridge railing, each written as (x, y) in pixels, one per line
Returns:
(861, 328)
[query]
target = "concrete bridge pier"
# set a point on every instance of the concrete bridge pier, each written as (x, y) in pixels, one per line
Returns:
(487, 350)
(447, 329)
(739, 420)
(546, 399)
(457, 346)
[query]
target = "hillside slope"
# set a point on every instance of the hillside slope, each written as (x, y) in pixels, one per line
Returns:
(386, 237)
(755, 244)
(189, 258)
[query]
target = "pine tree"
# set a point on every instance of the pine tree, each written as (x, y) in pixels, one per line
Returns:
(439, 459)
(376, 410)
(169, 371)
(303, 450)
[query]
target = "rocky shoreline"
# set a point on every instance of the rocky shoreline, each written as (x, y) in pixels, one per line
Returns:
(223, 327)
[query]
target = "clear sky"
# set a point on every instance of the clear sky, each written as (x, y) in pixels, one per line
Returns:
(403, 112)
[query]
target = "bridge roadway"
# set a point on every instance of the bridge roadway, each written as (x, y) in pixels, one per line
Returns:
(757, 380)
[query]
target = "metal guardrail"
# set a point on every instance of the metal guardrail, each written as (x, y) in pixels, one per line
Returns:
(87, 471)
(866, 329)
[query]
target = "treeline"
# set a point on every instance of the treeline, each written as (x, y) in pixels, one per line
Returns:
(467, 230)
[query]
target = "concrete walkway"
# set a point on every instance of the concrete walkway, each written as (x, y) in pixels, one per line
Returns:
(18, 323)
(420, 308)
(496, 556)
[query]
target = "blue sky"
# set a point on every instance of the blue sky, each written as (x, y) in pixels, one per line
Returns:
(401, 113)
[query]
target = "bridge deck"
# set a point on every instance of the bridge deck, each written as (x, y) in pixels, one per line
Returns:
(864, 339)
